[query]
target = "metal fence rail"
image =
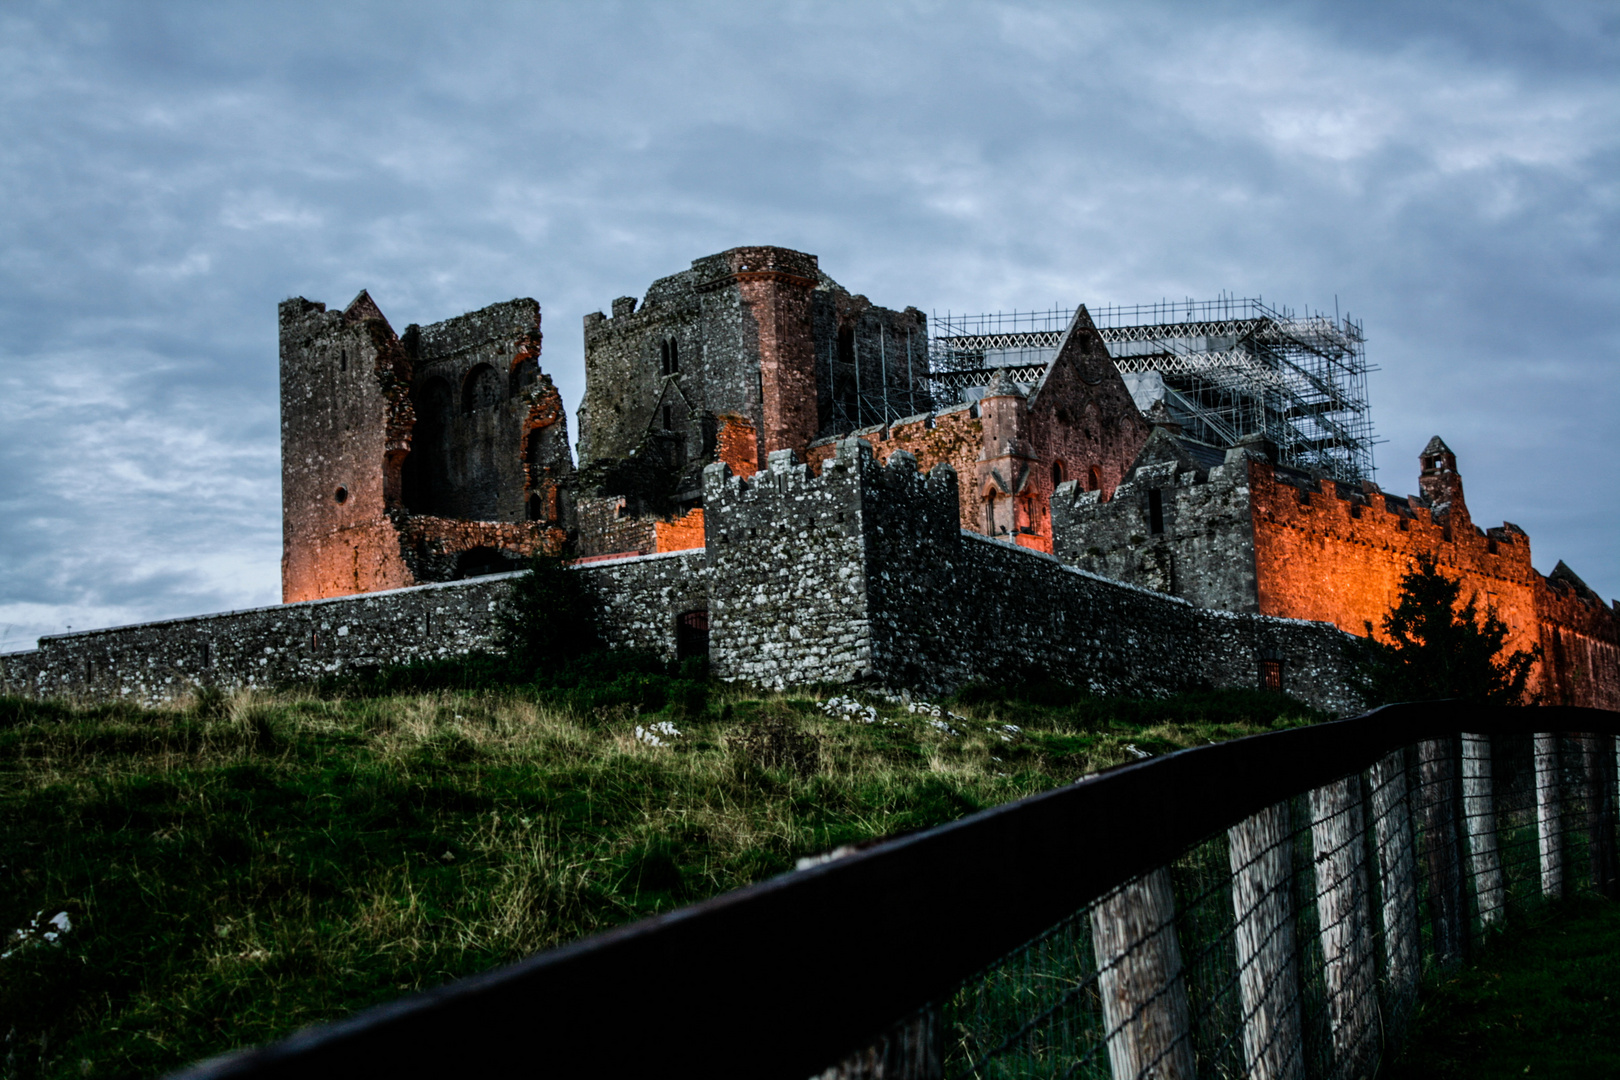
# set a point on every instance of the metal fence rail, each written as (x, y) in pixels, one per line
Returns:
(1261, 908)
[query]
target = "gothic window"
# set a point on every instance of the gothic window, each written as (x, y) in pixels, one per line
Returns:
(663, 356)
(1057, 474)
(1094, 479)
(674, 357)
(482, 390)
(1155, 511)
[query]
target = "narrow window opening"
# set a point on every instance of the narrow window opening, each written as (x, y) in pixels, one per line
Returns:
(1057, 474)
(343, 360)
(668, 419)
(341, 495)
(314, 641)
(674, 357)
(663, 356)
(536, 507)
(1490, 546)
(207, 654)
(1094, 479)
(1155, 511)
(1271, 675)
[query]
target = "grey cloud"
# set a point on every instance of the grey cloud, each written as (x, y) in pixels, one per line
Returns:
(170, 173)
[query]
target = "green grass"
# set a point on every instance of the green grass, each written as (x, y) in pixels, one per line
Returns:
(1541, 1000)
(235, 868)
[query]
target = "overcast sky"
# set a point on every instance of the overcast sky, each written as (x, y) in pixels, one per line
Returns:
(168, 173)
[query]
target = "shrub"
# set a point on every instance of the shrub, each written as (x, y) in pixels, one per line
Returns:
(548, 616)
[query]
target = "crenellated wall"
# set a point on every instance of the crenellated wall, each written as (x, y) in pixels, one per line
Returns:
(865, 572)
(862, 573)
(1245, 536)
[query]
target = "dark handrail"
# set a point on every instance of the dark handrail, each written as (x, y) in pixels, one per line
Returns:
(782, 978)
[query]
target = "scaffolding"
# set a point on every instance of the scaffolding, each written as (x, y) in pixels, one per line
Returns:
(1226, 369)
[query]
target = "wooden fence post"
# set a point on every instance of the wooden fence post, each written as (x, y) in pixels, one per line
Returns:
(1261, 850)
(1549, 816)
(911, 1050)
(1144, 996)
(1338, 839)
(1479, 813)
(1599, 815)
(1397, 874)
(1448, 915)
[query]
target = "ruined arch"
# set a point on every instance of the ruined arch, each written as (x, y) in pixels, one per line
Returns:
(481, 389)
(426, 478)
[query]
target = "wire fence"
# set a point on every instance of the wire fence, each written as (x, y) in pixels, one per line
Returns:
(1293, 944)
(1266, 908)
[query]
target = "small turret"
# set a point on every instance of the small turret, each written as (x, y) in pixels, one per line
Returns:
(1439, 482)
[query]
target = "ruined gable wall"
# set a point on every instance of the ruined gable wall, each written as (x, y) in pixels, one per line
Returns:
(478, 393)
(345, 427)
(1082, 418)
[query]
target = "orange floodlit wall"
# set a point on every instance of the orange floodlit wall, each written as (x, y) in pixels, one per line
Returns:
(681, 534)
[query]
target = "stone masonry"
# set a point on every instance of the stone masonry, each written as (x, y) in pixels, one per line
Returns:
(1236, 533)
(861, 574)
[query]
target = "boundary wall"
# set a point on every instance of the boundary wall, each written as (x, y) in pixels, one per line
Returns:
(865, 573)
(860, 574)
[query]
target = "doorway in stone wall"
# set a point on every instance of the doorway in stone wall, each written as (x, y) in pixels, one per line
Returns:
(692, 634)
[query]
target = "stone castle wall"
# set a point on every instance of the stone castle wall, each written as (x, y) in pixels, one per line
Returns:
(1245, 536)
(860, 574)
(865, 573)
(292, 643)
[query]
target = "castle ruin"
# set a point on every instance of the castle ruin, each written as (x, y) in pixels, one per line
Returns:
(773, 472)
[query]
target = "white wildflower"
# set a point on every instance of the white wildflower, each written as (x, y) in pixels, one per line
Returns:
(659, 734)
(49, 931)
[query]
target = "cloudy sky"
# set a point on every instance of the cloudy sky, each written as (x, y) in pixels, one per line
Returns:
(1449, 172)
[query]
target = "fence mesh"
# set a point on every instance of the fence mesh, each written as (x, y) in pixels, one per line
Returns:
(1292, 945)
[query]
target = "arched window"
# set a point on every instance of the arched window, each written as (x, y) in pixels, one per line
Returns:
(1057, 474)
(537, 507)
(482, 390)
(1094, 479)
(674, 357)
(663, 356)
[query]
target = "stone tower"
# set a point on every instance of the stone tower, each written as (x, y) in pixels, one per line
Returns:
(428, 457)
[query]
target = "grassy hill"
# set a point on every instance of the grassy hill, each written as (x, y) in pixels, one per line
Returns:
(235, 868)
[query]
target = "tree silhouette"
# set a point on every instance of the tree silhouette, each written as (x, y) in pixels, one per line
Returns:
(1437, 649)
